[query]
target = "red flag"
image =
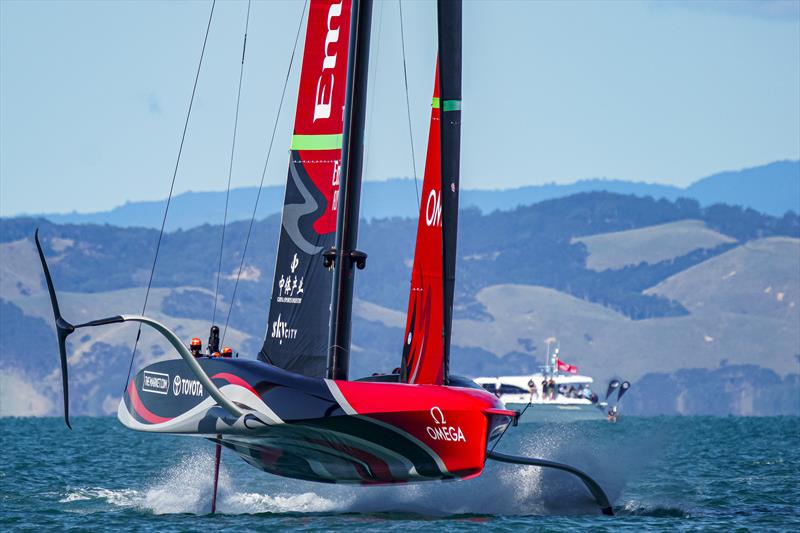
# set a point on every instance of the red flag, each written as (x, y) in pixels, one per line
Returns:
(561, 366)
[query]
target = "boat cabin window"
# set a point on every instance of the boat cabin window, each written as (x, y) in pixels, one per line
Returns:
(504, 389)
(511, 389)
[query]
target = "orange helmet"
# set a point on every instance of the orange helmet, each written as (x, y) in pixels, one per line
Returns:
(196, 342)
(227, 352)
(215, 354)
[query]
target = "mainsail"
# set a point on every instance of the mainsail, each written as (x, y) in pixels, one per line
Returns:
(299, 312)
(426, 353)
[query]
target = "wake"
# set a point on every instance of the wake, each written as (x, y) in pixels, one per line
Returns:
(186, 487)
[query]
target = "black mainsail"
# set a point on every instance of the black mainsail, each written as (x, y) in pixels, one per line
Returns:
(299, 312)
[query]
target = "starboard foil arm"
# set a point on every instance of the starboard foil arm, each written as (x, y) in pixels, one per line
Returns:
(64, 329)
(594, 487)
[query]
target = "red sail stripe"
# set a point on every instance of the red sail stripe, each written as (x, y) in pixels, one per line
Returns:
(320, 101)
(140, 409)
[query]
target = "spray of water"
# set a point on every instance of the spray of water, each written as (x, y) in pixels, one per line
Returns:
(186, 487)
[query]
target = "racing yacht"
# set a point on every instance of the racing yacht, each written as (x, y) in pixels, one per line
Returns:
(293, 410)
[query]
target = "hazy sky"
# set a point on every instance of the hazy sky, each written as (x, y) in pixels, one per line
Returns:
(93, 94)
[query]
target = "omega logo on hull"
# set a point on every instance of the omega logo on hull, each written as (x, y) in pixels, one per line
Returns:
(442, 431)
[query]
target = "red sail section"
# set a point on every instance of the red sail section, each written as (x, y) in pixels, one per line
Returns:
(318, 123)
(297, 333)
(423, 353)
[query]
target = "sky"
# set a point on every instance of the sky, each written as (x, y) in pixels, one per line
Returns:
(93, 95)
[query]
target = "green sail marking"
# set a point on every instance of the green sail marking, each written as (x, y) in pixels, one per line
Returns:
(317, 142)
(447, 105)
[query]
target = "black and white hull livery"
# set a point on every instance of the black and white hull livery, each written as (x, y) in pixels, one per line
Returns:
(321, 429)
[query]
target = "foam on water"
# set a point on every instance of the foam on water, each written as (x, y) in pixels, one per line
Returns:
(186, 488)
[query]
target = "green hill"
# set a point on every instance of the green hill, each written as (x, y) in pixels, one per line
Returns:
(759, 278)
(652, 244)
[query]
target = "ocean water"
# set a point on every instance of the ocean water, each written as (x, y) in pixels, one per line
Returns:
(664, 473)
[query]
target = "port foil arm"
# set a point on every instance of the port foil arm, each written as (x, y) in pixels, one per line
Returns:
(594, 487)
(64, 329)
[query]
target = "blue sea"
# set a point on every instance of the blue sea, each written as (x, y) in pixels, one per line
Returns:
(663, 473)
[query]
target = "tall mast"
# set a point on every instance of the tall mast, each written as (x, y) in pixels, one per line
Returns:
(449, 24)
(345, 256)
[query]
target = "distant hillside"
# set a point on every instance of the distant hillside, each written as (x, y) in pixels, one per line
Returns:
(650, 245)
(524, 276)
(772, 189)
(758, 278)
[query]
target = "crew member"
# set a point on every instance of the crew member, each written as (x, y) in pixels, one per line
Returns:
(195, 347)
(532, 388)
(227, 352)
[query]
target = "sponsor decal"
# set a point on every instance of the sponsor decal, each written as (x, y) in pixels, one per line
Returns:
(281, 330)
(290, 286)
(337, 167)
(325, 82)
(155, 382)
(186, 387)
(433, 209)
(441, 430)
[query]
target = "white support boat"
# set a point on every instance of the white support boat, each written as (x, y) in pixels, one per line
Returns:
(556, 393)
(571, 398)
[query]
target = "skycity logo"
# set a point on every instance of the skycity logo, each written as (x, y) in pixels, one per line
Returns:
(322, 106)
(441, 431)
(281, 330)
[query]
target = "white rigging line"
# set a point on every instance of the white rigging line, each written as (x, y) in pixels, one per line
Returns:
(371, 88)
(230, 166)
(171, 189)
(264, 171)
(408, 104)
